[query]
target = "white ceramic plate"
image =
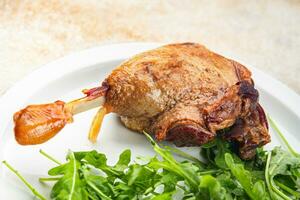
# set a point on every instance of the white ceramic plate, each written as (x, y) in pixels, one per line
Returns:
(65, 78)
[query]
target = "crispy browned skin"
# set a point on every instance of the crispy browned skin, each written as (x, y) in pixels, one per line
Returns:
(185, 93)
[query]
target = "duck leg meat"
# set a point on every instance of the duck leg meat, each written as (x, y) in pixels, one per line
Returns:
(182, 93)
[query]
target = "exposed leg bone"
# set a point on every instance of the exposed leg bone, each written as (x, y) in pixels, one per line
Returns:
(36, 124)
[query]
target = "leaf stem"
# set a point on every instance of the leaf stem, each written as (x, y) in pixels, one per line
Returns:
(49, 157)
(193, 181)
(278, 192)
(185, 155)
(287, 189)
(276, 164)
(33, 190)
(275, 127)
(49, 179)
(210, 172)
(98, 191)
(269, 155)
(72, 159)
(270, 183)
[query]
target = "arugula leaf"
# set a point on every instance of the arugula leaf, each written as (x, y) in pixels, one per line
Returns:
(255, 190)
(170, 164)
(257, 165)
(296, 179)
(281, 163)
(124, 160)
(209, 144)
(169, 180)
(231, 185)
(164, 196)
(99, 185)
(86, 175)
(212, 189)
(140, 176)
(94, 158)
(97, 160)
(223, 147)
(69, 186)
(215, 153)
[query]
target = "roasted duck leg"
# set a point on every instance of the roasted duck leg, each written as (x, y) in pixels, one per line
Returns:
(182, 93)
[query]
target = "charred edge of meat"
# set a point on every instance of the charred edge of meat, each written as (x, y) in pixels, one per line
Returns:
(235, 131)
(236, 135)
(239, 133)
(247, 90)
(188, 134)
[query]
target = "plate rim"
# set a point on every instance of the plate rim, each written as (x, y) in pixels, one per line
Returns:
(80, 59)
(84, 58)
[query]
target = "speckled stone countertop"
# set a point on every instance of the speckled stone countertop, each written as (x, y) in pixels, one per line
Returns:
(261, 33)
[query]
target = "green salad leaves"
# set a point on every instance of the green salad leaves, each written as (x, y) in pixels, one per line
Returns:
(221, 176)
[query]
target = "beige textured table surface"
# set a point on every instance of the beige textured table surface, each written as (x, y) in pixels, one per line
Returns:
(263, 33)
